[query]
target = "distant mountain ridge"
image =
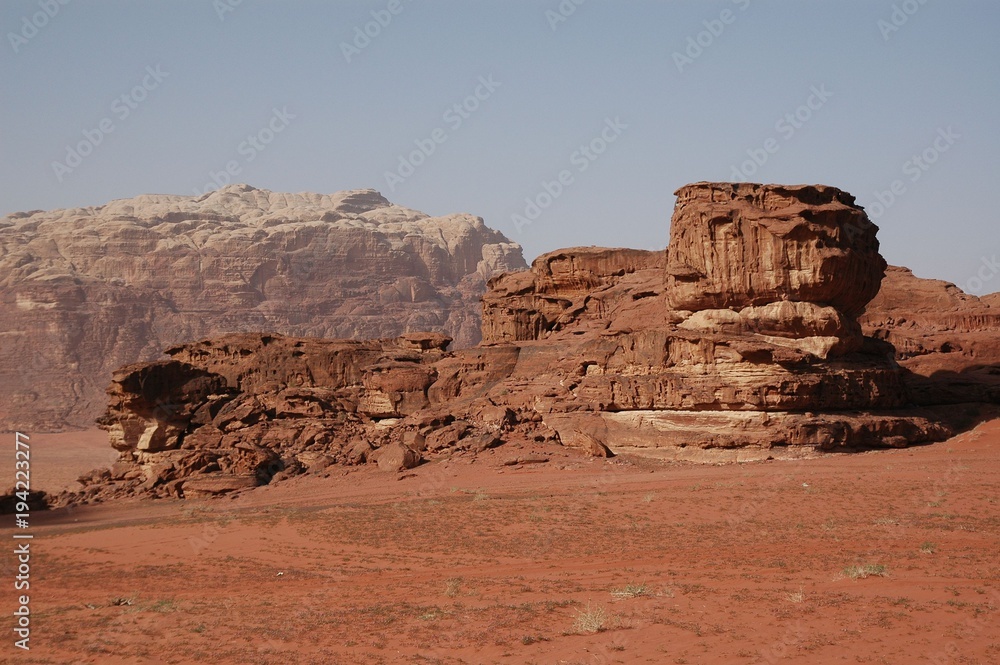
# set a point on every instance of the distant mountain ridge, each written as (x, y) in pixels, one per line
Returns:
(84, 291)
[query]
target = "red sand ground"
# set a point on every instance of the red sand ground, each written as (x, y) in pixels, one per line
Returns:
(57, 460)
(464, 562)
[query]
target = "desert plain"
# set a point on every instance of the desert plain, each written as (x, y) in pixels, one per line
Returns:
(538, 555)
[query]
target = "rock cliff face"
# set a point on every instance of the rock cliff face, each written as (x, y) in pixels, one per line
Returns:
(920, 317)
(85, 291)
(706, 351)
(563, 288)
(947, 340)
(741, 245)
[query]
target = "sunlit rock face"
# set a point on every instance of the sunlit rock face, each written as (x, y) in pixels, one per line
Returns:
(87, 290)
(740, 341)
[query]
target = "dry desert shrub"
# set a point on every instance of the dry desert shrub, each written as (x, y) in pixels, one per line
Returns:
(630, 591)
(867, 570)
(590, 620)
(453, 586)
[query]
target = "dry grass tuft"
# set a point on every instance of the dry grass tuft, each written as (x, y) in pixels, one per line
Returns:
(630, 591)
(868, 570)
(590, 620)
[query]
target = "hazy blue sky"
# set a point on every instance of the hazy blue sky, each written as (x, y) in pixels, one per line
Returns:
(341, 117)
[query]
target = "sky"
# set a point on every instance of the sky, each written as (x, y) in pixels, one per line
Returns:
(560, 122)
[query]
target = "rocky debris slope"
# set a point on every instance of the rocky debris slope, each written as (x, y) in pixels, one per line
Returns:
(741, 341)
(85, 291)
(244, 409)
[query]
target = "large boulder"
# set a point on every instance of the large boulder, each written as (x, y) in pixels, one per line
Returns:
(396, 457)
(734, 245)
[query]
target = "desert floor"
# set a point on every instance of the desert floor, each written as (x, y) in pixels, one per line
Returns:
(57, 460)
(881, 557)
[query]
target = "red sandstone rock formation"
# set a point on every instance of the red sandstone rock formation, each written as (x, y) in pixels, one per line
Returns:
(743, 336)
(246, 408)
(926, 316)
(87, 290)
(740, 342)
(747, 341)
(948, 341)
(740, 245)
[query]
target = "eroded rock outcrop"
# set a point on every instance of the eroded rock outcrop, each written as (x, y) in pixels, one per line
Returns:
(947, 340)
(741, 341)
(87, 290)
(740, 245)
(564, 288)
(245, 408)
(743, 336)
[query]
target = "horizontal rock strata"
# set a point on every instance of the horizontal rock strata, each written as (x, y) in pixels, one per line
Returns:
(741, 341)
(87, 290)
